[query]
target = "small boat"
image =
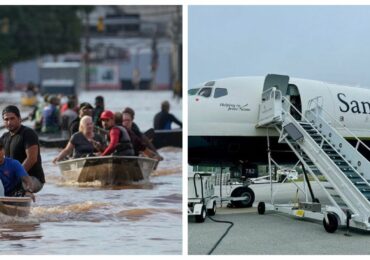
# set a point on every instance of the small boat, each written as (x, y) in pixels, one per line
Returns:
(163, 138)
(109, 170)
(15, 206)
(29, 101)
(57, 140)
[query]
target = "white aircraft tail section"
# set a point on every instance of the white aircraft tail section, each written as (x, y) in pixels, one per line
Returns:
(322, 150)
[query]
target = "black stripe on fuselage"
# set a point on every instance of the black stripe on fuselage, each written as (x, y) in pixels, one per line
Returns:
(232, 149)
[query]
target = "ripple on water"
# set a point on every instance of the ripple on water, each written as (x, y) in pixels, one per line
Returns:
(170, 149)
(165, 172)
(19, 231)
(140, 213)
(77, 211)
(170, 199)
(97, 184)
(5, 219)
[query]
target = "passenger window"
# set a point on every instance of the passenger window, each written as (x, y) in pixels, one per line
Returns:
(205, 92)
(193, 91)
(220, 92)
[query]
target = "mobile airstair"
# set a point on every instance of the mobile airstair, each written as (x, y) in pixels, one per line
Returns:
(322, 150)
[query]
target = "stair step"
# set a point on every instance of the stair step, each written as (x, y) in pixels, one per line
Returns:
(329, 150)
(363, 185)
(360, 183)
(340, 162)
(352, 175)
(339, 201)
(346, 168)
(343, 206)
(354, 179)
(333, 156)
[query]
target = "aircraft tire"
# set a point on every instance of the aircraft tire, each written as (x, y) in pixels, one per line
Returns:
(332, 226)
(241, 192)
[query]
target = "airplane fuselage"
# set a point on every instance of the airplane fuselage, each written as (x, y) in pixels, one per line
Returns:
(223, 115)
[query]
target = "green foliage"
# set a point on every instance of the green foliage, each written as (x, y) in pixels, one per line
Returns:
(39, 30)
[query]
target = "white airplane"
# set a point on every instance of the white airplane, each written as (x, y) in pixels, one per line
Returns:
(223, 115)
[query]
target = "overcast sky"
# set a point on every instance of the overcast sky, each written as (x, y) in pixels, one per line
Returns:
(328, 43)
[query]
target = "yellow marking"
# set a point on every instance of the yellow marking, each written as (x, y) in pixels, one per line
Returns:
(299, 213)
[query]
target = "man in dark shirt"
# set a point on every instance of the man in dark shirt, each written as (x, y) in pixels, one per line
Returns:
(22, 144)
(99, 108)
(163, 120)
(139, 140)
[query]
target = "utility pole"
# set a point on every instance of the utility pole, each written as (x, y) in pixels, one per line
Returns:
(87, 49)
(176, 78)
(154, 62)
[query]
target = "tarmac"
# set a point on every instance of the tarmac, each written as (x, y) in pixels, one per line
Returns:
(273, 233)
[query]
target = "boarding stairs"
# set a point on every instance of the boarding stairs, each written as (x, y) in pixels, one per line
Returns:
(323, 151)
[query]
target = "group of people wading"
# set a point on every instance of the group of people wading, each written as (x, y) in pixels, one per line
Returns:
(93, 132)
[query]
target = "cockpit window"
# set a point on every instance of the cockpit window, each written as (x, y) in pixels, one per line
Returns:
(220, 92)
(205, 92)
(193, 91)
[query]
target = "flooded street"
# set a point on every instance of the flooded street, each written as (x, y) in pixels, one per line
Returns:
(71, 218)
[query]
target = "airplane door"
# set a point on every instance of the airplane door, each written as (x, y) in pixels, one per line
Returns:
(280, 82)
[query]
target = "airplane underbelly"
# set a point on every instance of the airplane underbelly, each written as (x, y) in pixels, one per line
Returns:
(231, 149)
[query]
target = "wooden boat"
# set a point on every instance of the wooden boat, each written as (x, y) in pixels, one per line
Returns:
(163, 138)
(15, 206)
(109, 170)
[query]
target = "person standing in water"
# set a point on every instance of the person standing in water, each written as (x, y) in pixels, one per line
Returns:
(163, 119)
(22, 144)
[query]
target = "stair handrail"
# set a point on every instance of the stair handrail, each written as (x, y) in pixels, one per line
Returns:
(285, 108)
(336, 121)
(271, 95)
(327, 141)
(316, 100)
(348, 182)
(310, 170)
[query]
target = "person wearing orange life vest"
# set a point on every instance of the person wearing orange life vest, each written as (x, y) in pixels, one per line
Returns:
(119, 140)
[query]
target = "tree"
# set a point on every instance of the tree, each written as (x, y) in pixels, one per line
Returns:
(33, 31)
